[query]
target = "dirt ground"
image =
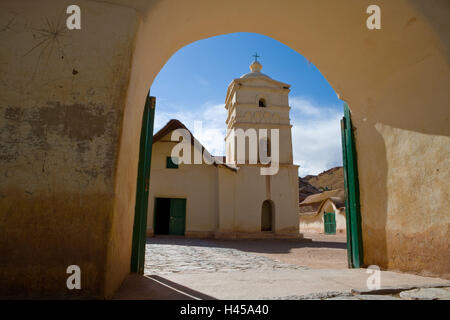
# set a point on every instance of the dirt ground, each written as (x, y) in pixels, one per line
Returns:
(324, 252)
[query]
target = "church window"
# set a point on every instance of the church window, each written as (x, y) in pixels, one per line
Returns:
(262, 103)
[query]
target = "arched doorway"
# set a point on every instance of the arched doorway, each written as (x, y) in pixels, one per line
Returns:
(267, 216)
(261, 217)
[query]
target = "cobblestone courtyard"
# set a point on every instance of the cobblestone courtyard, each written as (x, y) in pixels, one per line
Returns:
(312, 268)
(166, 255)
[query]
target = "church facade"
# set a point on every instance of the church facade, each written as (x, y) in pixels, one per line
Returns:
(252, 191)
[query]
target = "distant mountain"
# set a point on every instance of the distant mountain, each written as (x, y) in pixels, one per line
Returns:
(330, 179)
(305, 189)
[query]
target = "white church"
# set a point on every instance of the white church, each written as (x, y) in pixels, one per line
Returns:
(234, 197)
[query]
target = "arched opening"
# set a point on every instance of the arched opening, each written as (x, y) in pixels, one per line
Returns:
(262, 103)
(267, 216)
(170, 80)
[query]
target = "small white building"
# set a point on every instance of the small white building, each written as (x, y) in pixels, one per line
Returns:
(229, 199)
(323, 213)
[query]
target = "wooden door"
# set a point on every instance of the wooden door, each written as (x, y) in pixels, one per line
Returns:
(351, 183)
(177, 221)
(329, 221)
(143, 180)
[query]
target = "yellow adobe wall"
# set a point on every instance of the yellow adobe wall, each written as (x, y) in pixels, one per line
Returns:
(252, 189)
(61, 109)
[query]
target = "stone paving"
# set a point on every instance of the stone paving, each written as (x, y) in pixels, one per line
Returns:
(218, 270)
(168, 255)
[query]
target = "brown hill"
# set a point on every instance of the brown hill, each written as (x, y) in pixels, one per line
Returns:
(331, 179)
(305, 189)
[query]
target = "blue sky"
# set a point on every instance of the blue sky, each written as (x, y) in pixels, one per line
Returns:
(193, 83)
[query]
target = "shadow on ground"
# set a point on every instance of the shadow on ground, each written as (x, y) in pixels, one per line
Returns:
(137, 287)
(249, 245)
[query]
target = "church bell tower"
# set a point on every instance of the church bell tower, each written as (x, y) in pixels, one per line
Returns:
(257, 101)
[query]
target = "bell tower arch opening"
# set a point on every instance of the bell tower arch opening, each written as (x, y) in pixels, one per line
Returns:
(262, 103)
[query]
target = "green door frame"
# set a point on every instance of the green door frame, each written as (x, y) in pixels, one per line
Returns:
(351, 182)
(143, 180)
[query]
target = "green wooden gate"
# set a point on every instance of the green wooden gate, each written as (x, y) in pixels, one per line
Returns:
(329, 222)
(352, 205)
(143, 179)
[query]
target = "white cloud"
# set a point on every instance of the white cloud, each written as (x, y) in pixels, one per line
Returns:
(316, 135)
(304, 106)
(212, 117)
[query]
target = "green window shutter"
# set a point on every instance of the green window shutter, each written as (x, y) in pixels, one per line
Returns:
(172, 163)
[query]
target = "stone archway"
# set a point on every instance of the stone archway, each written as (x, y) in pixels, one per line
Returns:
(392, 79)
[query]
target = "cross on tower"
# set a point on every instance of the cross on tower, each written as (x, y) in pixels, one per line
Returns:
(256, 56)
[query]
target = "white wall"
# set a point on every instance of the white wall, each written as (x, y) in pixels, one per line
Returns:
(196, 182)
